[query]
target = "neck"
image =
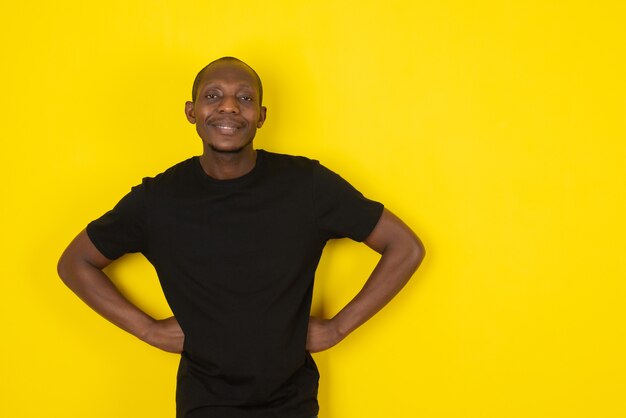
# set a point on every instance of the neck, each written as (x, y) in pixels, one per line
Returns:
(225, 166)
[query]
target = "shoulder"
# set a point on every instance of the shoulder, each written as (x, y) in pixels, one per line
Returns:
(176, 174)
(292, 164)
(287, 159)
(302, 168)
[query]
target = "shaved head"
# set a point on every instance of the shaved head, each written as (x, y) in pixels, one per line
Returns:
(196, 82)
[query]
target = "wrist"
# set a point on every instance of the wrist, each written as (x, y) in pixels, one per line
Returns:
(340, 329)
(146, 330)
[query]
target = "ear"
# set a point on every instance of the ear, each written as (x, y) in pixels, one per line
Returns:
(262, 117)
(190, 113)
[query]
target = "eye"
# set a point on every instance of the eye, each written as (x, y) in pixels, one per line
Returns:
(211, 96)
(246, 98)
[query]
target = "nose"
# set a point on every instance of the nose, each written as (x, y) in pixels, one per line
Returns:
(229, 104)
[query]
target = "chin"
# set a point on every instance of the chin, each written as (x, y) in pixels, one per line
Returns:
(233, 149)
(226, 150)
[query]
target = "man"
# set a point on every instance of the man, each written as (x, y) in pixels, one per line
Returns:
(235, 236)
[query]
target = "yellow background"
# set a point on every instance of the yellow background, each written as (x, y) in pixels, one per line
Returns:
(494, 128)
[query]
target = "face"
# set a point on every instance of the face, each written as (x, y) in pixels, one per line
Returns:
(227, 111)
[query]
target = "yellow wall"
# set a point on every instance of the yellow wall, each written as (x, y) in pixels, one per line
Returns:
(496, 129)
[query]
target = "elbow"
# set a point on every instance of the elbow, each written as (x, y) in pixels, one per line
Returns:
(416, 252)
(66, 267)
(63, 267)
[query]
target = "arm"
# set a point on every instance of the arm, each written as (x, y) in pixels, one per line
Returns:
(80, 268)
(401, 253)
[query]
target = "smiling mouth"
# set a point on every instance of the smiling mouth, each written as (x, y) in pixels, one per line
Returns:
(226, 128)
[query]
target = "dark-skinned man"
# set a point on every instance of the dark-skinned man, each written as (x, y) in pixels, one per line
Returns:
(235, 236)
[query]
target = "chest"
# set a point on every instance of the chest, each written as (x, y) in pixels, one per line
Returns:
(244, 223)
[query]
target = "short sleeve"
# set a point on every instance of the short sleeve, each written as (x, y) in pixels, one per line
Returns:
(340, 209)
(122, 229)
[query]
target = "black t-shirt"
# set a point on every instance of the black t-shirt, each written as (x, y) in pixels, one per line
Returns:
(236, 260)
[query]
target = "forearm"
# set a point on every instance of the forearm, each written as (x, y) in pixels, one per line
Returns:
(80, 268)
(95, 288)
(401, 253)
(396, 266)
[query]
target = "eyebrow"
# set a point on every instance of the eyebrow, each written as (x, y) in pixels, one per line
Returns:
(240, 85)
